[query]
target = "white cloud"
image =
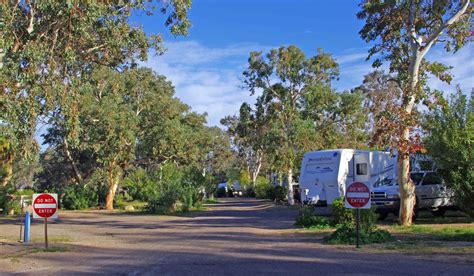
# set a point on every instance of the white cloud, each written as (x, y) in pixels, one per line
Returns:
(353, 67)
(207, 79)
(462, 64)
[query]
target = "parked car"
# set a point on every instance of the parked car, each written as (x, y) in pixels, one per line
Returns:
(431, 194)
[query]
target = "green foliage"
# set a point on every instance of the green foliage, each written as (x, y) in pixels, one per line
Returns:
(163, 203)
(450, 141)
(345, 221)
(78, 198)
(139, 185)
(341, 214)
(244, 179)
(277, 193)
(345, 234)
(176, 187)
(307, 219)
(262, 188)
(265, 190)
(250, 192)
(7, 201)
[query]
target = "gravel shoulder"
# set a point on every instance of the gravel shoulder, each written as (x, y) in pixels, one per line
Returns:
(233, 237)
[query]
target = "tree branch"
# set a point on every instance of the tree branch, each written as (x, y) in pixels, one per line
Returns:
(434, 36)
(31, 15)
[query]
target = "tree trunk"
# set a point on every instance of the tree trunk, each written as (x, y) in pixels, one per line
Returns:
(291, 200)
(407, 189)
(113, 181)
(255, 173)
(77, 174)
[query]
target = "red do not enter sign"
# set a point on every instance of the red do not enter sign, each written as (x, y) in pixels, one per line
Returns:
(358, 195)
(45, 206)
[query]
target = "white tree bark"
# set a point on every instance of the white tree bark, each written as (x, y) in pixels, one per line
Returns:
(418, 51)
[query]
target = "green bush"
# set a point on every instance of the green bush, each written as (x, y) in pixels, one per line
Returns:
(345, 221)
(163, 203)
(176, 187)
(346, 234)
(277, 193)
(250, 192)
(77, 197)
(139, 185)
(307, 219)
(340, 214)
(7, 199)
(262, 188)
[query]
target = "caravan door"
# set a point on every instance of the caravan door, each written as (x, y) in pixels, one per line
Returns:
(361, 167)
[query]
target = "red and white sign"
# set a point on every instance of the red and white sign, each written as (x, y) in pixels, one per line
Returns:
(358, 196)
(45, 206)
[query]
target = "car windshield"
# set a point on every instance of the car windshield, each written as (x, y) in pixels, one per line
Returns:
(416, 177)
(385, 181)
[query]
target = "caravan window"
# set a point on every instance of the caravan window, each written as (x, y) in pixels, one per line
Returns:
(361, 169)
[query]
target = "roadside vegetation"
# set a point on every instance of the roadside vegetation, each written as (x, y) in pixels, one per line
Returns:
(343, 222)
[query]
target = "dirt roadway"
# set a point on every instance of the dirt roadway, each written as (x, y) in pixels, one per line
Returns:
(235, 237)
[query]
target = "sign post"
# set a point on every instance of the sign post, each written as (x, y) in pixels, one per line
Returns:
(45, 206)
(357, 197)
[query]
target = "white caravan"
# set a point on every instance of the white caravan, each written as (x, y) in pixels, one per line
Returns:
(325, 174)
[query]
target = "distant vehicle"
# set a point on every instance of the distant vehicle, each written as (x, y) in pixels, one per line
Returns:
(431, 194)
(325, 174)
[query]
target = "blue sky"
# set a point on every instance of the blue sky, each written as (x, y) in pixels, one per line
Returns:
(206, 66)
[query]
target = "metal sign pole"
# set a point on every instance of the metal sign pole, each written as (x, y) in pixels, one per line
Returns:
(46, 233)
(358, 223)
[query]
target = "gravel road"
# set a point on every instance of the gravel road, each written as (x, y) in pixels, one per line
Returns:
(233, 237)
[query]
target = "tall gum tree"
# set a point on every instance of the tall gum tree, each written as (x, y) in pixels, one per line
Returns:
(284, 76)
(403, 32)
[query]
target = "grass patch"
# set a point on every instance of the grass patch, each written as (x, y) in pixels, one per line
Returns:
(137, 205)
(211, 201)
(447, 233)
(55, 239)
(14, 257)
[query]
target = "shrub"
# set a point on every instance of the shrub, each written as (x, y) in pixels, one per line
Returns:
(340, 214)
(277, 193)
(307, 219)
(345, 221)
(346, 234)
(163, 203)
(139, 185)
(77, 197)
(7, 199)
(262, 188)
(250, 192)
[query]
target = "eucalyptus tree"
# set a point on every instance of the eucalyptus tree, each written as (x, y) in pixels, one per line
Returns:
(403, 32)
(333, 119)
(249, 135)
(47, 48)
(284, 76)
